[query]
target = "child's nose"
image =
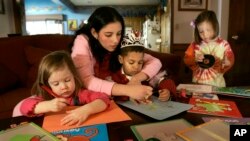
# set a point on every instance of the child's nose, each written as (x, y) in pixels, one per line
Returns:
(64, 86)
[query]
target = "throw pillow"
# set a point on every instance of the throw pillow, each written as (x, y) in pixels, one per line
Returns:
(34, 56)
(8, 79)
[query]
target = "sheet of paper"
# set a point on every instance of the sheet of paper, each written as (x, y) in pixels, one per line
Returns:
(51, 121)
(158, 110)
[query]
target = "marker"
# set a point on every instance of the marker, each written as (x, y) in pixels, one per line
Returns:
(48, 90)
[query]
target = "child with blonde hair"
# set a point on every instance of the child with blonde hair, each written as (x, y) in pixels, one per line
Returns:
(57, 86)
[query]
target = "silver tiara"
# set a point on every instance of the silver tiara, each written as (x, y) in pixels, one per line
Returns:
(132, 39)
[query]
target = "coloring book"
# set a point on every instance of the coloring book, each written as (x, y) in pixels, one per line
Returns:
(233, 91)
(27, 132)
(97, 132)
(215, 130)
(214, 107)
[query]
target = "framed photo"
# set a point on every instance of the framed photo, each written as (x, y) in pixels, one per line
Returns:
(1, 7)
(72, 24)
(192, 5)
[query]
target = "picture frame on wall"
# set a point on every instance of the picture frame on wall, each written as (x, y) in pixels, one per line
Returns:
(192, 5)
(2, 10)
(72, 24)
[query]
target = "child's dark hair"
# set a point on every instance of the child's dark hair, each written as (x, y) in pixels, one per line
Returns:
(126, 50)
(208, 16)
(50, 63)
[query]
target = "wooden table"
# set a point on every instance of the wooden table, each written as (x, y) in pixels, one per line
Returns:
(121, 131)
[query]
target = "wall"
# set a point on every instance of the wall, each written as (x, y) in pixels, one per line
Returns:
(183, 32)
(44, 7)
(7, 21)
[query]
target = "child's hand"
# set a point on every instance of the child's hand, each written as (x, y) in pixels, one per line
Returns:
(199, 57)
(164, 95)
(76, 116)
(217, 65)
(57, 104)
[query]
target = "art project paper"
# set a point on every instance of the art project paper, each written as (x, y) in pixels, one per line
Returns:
(158, 110)
(51, 121)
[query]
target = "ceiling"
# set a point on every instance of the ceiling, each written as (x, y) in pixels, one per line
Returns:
(114, 2)
(125, 7)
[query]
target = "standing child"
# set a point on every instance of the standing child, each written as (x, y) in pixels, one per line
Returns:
(209, 56)
(131, 58)
(57, 86)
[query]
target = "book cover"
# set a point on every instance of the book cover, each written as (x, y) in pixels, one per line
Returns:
(157, 109)
(205, 95)
(215, 130)
(233, 91)
(97, 132)
(50, 122)
(214, 107)
(195, 88)
(27, 132)
(231, 121)
(164, 130)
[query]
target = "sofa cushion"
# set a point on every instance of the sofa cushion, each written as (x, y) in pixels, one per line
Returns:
(34, 56)
(8, 79)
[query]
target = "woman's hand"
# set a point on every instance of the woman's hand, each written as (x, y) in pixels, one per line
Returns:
(139, 92)
(164, 95)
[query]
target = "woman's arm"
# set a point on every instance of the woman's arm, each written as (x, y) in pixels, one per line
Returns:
(84, 62)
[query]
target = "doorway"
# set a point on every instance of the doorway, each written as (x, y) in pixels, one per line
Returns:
(239, 39)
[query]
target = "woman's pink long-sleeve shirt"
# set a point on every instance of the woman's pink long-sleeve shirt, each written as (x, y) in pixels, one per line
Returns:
(85, 61)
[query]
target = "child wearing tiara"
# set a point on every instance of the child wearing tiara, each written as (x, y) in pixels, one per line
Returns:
(131, 58)
(209, 56)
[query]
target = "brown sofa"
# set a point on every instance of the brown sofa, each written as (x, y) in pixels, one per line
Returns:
(19, 59)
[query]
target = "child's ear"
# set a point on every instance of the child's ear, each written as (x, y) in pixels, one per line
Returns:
(120, 58)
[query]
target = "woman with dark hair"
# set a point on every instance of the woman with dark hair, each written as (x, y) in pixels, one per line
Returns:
(95, 53)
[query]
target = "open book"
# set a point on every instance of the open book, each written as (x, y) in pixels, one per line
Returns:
(164, 130)
(215, 130)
